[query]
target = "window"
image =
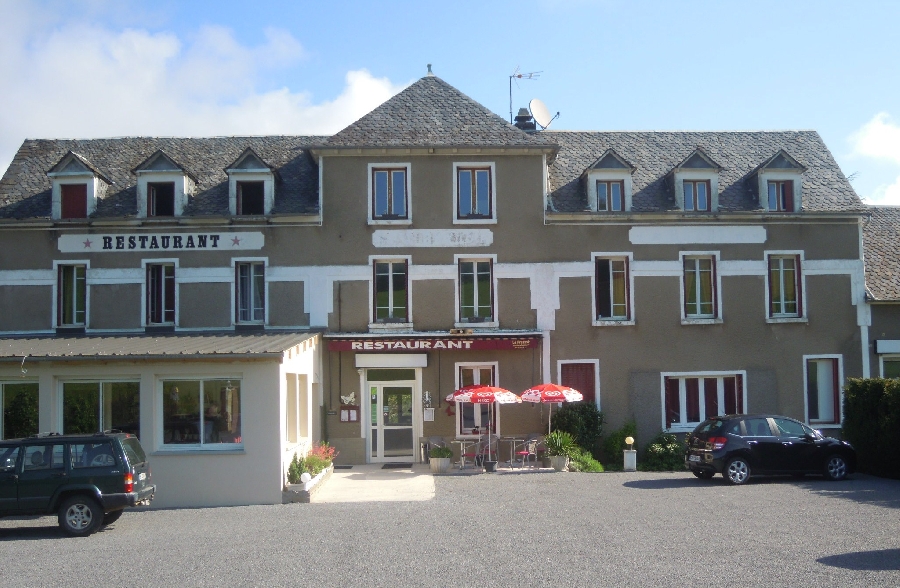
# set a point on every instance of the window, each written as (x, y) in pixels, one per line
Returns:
(612, 296)
(161, 294)
(823, 390)
(89, 407)
(699, 287)
(250, 198)
(781, 196)
(691, 399)
(390, 290)
(71, 296)
(19, 402)
(251, 292)
(73, 201)
(470, 416)
(474, 193)
(161, 199)
(610, 196)
(784, 286)
(475, 291)
(696, 195)
(389, 194)
(581, 376)
(44, 457)
(890, 367)
(201, 412)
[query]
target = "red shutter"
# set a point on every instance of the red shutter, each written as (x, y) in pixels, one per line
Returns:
(712, 287)
(711, 396)
(73, 201)
(788, 196)
(739, 394)
(692, 399)
(799, 278)
(673, 405)
(581, 377)
(837, 391)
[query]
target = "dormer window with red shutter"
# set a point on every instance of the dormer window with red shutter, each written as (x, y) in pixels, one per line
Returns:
(77, 186)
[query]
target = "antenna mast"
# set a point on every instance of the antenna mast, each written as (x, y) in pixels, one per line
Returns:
(517, 75)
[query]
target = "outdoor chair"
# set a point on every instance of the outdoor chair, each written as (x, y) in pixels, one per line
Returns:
(527, 450)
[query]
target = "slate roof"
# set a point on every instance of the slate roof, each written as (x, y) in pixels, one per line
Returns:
(881, 243)
(432, 113)
(25, 188)
(156, 346)
(656, 153)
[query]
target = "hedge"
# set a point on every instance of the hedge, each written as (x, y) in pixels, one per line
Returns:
(872, 424)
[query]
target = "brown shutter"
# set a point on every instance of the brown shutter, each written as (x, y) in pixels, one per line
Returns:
(73, 201)
(581, 377)
(799, 288)
(788, 196)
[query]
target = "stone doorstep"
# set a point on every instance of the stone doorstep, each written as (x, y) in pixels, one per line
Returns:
(302, 493)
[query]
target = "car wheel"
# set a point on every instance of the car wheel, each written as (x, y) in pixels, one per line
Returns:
(80, 516)
(737, 471)
(111, 517)
(835, 468)
(703, 474)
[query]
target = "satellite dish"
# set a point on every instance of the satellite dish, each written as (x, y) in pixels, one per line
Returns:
(540, 113)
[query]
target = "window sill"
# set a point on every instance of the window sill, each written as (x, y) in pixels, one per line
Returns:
(701, 321)
(390, 326)
(249, 327)
(477, 325)
(474, 221)
(229, 450)
(390, 221)
(612, 323)
(687, 428)
(787, 319)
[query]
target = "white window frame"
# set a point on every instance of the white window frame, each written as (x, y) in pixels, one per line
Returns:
(492, 220)
(144, 302)
(159, 428)
(373, 324)
(495, 367)
(3, 384)
(146, 177)
(370, 190)
(717, 285)
(596, 364)
(802, 317)
(459, 323)
(685, 426)
(779, 175)
(61, 400)
(609, 175)
(242, 175)
(87, 292)
(710, 176)
(883, 358)
(234, 301)
(628, 256)
(840, 389)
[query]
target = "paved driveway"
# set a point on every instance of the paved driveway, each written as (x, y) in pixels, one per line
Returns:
(548, 529)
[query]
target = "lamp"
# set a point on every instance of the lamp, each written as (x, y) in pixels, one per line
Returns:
(630, 442)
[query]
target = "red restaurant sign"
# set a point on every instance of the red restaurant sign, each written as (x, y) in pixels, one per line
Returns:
(428, 344)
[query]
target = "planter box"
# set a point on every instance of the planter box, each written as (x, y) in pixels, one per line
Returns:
(559, 462)
(440, 465)
(304, 492)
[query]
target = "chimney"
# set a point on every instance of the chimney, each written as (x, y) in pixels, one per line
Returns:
(524, 120)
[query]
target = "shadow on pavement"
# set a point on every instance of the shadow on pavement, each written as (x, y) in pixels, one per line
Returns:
(664, 484)
(881, 560)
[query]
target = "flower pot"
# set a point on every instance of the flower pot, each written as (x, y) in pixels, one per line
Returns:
(490, 465)
(440, 465)
(559, 462)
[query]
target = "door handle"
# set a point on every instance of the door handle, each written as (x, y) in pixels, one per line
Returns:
(752, 442)
(786, 443)
(60, 475)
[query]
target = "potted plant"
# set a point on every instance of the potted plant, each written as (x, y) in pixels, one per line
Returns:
(559, 447)
(439, 457)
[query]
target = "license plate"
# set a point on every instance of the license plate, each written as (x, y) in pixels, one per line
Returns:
(693, 458)
(143, 476)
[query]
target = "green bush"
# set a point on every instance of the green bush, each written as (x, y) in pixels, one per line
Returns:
(295, 470)
(872, 424)
(438, 451)
(614, 444)
(580, 460)
(583, 421)
(665, 453)
(559, 443)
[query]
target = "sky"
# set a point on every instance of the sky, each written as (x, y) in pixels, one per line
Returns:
(112, 68)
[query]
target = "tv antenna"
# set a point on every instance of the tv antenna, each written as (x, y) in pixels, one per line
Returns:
(517, 75)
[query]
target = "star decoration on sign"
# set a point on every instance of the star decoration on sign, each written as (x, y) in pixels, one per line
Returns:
(235, 241)
(87, 243)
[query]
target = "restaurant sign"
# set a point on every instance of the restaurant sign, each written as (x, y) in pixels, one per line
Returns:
(119, 242)
(426, 344)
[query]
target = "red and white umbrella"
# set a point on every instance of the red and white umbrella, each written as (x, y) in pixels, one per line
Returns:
(482, 394)
(551, 393)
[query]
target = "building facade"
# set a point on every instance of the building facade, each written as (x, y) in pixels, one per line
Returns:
(669, 276)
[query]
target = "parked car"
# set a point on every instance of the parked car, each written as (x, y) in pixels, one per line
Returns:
(87, 480)
(738, 446)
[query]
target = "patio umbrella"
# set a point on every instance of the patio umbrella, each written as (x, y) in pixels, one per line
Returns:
(482, 394)
(551, 393)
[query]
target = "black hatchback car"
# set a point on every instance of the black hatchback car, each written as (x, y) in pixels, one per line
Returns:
(738, 446)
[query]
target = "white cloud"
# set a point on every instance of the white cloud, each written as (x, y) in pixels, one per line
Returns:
(879, 139)
(81, 79)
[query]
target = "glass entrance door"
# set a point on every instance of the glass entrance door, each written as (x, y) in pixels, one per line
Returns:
(391, 434)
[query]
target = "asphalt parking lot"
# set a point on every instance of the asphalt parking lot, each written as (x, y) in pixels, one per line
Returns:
(516, 529)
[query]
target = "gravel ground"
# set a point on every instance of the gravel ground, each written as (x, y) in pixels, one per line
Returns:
(512, 529)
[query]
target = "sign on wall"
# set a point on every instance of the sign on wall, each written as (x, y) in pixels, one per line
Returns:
(421, 343)
(124, 242)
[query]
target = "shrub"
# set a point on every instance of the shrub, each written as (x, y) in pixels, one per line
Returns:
(319, 458)
(872, 424)
(295, 470)
(581, 460)
(614, 444)
(583, 421)
(439, 451)
(559, 443)
(665, 453)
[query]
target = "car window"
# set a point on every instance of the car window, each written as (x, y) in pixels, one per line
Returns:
(757, 427)
(44, 457)
(8, 457)
(732, 427)
(133, 451)
(92, 455)
(789, 428)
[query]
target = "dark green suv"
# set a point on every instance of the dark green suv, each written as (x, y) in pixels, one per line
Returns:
(88, 480)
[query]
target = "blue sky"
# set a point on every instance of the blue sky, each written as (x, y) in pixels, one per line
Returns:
(97, 68)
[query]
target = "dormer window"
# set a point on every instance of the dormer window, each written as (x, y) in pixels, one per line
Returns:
(696, 183)
(163, 187)
(780, 181)
(609, 184)
(77, 186)
(251, 185)
(73, 201)
(781, 195)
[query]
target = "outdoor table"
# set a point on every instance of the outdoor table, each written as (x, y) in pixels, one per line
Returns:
(513, 441)
(463, 445)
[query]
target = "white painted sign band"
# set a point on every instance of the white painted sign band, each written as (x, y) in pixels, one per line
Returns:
(696, 234)
(406, 238)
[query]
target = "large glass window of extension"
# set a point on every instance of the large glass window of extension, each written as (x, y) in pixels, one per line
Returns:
(781, 196)
(390, 292)
(161, 199)
(250, 295)
(823, 390)
(473, 419)
(250, 198)
(71, 295)
(474, 193)
(696, 195)
(699, 280)
(160, 293)
(389, 193)
(201, 412)
(89, 407)
(476, 286)
(610, 196)
(19, 401)
(690, 399)
(785, 299)
(612, 289)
